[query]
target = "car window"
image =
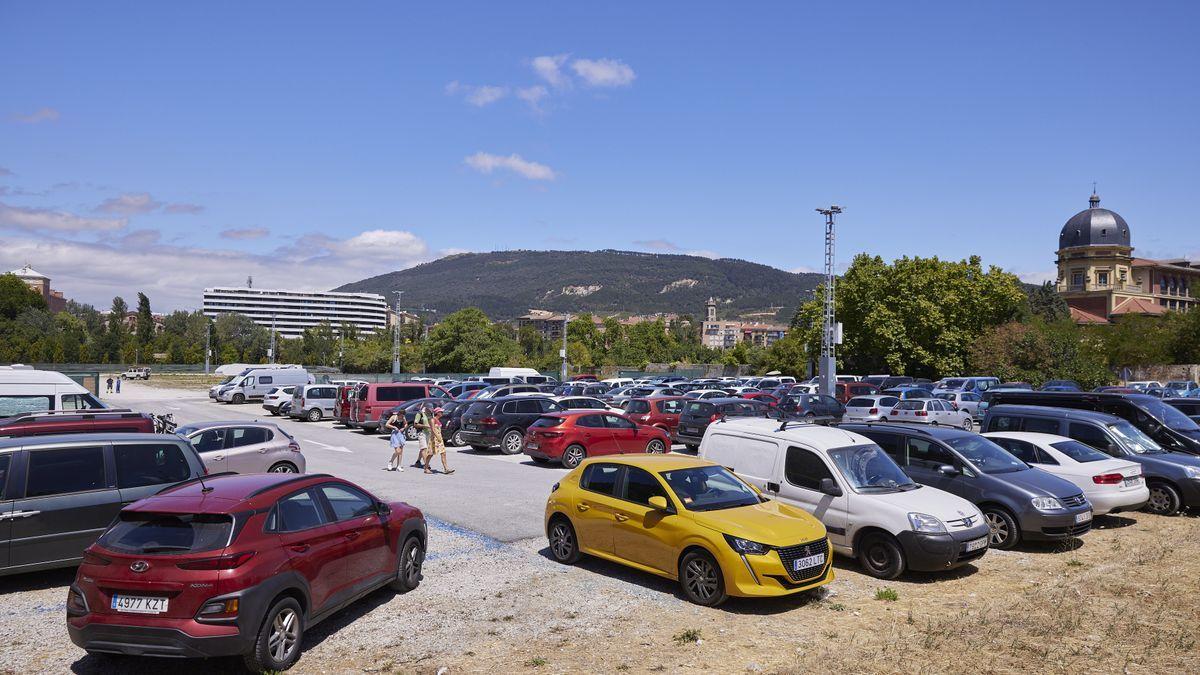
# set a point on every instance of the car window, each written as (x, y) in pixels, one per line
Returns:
(804, 469)
(63, 471)
(80, 402)
(971, 398)
(210, 440)
(699, 408)
(888, 401)
(1041, 426)
(298, 511)
(1046, 458)
(528, 406)
(399, 393)
(240, 436)
(1090, 435)
(1079, 451)
(11, 405)
(1004, 423)
(546, 405)
(140, 464)
(4, 462)
(266, 379)
(347, 502)
(640, 486)
(860, 403)
(1022, 450)
(926, 453)
(600, 478)
(892, 444)
(640, 407)
(617, 422)
(590, 421)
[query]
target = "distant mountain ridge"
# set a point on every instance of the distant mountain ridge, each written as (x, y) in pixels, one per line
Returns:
(507, 284)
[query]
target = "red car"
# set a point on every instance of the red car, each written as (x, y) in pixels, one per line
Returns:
(76, 422)
(848, 390)
(585, 377)
(239, 565)
(770, 399)
(573, 436)
(662, 411)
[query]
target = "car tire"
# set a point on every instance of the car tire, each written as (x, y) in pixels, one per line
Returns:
(564, 544)
(880, 556)
(408, 567)
(1165, 499)
(313, 415)
(656, 447)
(1005, 533)
(411, 433)
(701, 579)
(457, 439)
(274, 413)
(238, 399)
(283, 467)
(512, 442)
(968, 425)
(883, 420)
(284, 621)
(573, 455)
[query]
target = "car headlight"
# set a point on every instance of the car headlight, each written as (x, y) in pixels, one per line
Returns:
(746, 547)
(925, 523)
(1191, 472)
(1046, 504)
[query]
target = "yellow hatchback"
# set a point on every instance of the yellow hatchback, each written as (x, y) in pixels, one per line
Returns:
(690, 520)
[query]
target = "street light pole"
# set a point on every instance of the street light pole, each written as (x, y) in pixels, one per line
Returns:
(396, 339)
(207, 341)
(563, 353)
(829, 327)
(271, 351)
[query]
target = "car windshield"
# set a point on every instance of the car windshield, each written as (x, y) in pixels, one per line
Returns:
(1079, 452)
(1167, 414)
(166, 533)
(868, 469)
(986, 455)
(1135, 440)
(951, 384)
(709, 488)
(861, 403)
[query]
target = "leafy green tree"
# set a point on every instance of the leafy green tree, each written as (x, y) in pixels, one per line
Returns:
(16, 297)
(468, 342)
(1046, 303)
(1135, 340)
(145, 320)
(1037, 351)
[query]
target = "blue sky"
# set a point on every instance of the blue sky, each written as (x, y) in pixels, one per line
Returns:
(166, 147)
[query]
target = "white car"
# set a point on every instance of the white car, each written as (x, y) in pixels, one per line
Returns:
(1144, 385)
(931, 411)
(962, 400)
(276, 398)
(871, 509)
(707, 393)
(739, 391)
(1110, 484)
(614, 382)
(873, 408)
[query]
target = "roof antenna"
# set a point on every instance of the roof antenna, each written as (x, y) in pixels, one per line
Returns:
(204, 489)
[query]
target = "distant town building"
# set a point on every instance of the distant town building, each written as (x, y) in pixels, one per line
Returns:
(40, 283)
(549, 324)
(294, 311)
(725, 334)
(1100, 279)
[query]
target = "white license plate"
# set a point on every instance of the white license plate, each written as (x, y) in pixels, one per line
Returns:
(532, 446)
(976, 544)
(137, 604)
(1132, 480)
(469, 427)
(1083, 517)
(810, 561)
(691, 430)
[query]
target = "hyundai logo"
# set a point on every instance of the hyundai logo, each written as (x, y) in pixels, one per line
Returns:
(140, 566)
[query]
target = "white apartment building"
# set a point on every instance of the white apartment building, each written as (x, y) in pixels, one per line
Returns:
(293, 311)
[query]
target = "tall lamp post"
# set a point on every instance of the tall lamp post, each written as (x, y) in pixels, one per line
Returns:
(271, 351)
(563, 352)
(396, 339)
(830, 330)
(207, 343)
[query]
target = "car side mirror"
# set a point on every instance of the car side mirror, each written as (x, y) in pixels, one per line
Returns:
(948, 470)
(659, 503)
(382, 508)
(829, 487)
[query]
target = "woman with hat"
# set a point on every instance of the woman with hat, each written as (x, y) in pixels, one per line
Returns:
(437, 446)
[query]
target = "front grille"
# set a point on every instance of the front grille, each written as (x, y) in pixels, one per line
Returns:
(1071, 531)
(963, 523)
(1077, 500)
(792, 553)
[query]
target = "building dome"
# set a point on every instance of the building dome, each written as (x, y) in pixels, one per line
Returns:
(1094, 226)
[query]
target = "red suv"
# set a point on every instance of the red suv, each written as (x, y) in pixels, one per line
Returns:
(76, 422)
(239, 564)
(373, 399)
(848, 390)
(661, 411)
(571, 437)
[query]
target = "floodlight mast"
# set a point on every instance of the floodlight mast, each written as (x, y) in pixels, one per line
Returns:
(828, 364)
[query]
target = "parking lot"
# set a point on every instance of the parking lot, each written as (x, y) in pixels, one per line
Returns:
(492, 599)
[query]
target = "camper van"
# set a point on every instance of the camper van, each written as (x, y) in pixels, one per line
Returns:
(255, 383)
(526, 375)
(23, 389)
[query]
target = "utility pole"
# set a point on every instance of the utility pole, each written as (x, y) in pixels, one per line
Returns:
(207, 343)
(563, 352)
(271, 350)
(396, 339)
(830, 330)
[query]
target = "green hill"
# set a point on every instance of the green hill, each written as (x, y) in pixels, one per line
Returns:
(506, 284)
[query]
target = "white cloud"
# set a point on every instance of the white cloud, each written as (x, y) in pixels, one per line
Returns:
(487, 163)
(533, 96)
(1038, 277)
(804, 269)
(658, 245)
(603, 72)
(129, 204)
(41, 220)
(477, 95)
(549, 68)
(245, 233)
(183, 208)
(38, 116)
(704, 253)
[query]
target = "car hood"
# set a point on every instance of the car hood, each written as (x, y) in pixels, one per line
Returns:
(1174, 458)
(770, 523)
(1038, 483)
(928, 500)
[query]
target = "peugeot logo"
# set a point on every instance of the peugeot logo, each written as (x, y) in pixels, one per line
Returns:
(140, 566)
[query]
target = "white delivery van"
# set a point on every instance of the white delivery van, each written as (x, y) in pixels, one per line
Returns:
(23, 389)
(256, 383)
(871, 508)
(526, 375)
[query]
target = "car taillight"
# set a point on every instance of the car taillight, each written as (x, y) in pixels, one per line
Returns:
(895, 411)
(1108, 479)
(221, 562)
(489, 422)
(219, 609)
(922, 413)
(301, 403)
(294, 446)
(76, 603)
(873, 411)
(90, 558)
(714, 418)
(551, 434)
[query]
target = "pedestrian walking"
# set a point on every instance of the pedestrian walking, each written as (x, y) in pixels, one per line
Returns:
(437, 445)
(108, 386)
(396, 423)
(118, 385)
(421, 423)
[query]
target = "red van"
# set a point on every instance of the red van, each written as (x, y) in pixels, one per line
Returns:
(76, 422)
(373, 399)
(848, 390)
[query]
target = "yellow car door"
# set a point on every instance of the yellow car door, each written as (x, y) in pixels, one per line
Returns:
(594, 507)
(644, 535)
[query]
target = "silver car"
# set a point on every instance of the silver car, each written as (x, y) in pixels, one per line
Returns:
(244, 447)
(313, 401)
(933, 411)
(869, 408)
(963, 400)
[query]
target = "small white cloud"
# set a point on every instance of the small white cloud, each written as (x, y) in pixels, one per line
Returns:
(804, 269)
(183, 208)
(549, 68)
(487, 163)
(39, 220)
(704, 253)
(479, 96)
(128, 204)
(1038, 278)
(533, 96)
(245, 233)
(658, 245)
(38, 116)
(603, 72)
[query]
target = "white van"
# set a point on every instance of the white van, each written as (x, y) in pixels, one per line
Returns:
(23, 389)
(256, 383)
(871, 508)
(526, 375)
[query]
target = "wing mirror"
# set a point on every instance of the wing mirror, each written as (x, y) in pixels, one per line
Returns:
(659, 503)
(382, 508)
(948, 470)
(829, 487)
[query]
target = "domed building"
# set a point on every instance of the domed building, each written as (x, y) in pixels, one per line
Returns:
(1100, 278)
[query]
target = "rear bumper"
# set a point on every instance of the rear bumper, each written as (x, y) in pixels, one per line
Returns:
(688, 439)
(488, 438)
(154, 641)
(944, 551)
(1189, 489)
(1116, 501)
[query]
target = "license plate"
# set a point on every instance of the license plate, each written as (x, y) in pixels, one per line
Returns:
(976, 544)
(810, 561)
(137, 604)
(691, 430)
(532, 446)
(1132, 480)
(1083, 517)
(469, 427)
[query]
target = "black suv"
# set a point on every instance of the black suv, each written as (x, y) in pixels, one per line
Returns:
(502, 421)
(697, 415)
(813, 405)
(59, 493)
(1018, 501)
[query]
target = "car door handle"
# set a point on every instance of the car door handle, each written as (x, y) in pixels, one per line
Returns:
(299, 548)
(582, 507)
(14, 515)
(218, 458)
(621, 517)
(353, 535)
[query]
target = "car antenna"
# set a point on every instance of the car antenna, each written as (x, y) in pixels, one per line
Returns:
(204, 489)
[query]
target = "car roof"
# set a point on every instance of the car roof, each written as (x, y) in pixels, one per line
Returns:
(99, 437)
(820, 434)
(225, 493)
(1031, 436)
(228, 423)
(1050, 411)
(652, 462)
(940, 433)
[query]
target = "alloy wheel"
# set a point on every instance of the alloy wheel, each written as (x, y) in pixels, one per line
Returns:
(285, 633)
(283, 467)
(655, 447)
(457, 439)
(968, 424)
(700, 577)
(573, 456)
(414, 558)
(512, 442)
(562, 541)
(999, 528)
